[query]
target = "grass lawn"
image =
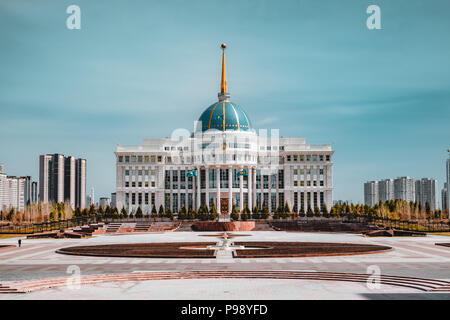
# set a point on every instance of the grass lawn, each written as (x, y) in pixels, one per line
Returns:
(440, 234)
(7, 236)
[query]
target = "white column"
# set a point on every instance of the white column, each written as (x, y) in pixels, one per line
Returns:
(179, 188)
(254, 187)
(241, 191)
(230, 188)
(198, 188)
(250, 188)
(207, 185)
(218, 190)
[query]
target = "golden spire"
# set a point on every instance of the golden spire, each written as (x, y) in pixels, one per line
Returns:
(223, 85)
(223, 95)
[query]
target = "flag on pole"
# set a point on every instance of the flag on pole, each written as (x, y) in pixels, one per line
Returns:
(242, 172)
(191, 173)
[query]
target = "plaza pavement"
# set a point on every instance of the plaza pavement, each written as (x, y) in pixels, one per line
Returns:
(411, 257)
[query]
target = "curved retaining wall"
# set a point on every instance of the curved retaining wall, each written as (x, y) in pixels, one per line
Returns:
(223, 226)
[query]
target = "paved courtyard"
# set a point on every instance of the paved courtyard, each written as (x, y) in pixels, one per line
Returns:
(411, 257)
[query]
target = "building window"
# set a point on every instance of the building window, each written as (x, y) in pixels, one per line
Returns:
(127, 184)
(281, 200)
(328, 158)
(302, 201)
(281, 179)
(273, 201)
(159, 158)
(140, 184)
(302, 183)
(308, 158)
(203, 198)
(321, 201)
(266, 183)
(321, 158)
(120, 158)
(314, 158)
(266, 200)
(320, 171)
(167, 179)
(146, 198)
(127, 172)
(174, 179)
(175, 202)
(258, 179)
(321, 183)
(127, 158)
(167, 201)
(315, 200)
(133, 198)
(212, 178)
(139, 158)
(203, 180)
(153, 184)
(236, 178)
(133, 184)
(211, 199)
(224, 178)
(153, 159)
(146, 159)
(302, 158)
(182, 200)
(133, 158)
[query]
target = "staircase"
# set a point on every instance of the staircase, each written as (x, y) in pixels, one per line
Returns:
(113, 227)
(142, 226)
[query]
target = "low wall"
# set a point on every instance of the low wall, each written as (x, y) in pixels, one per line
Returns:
(223, 226)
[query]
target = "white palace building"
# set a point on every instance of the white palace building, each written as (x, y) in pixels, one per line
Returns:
(225, 162)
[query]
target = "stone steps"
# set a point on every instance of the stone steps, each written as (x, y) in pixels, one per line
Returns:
(427, 285)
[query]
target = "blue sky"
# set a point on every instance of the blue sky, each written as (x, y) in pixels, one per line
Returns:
(139, 69)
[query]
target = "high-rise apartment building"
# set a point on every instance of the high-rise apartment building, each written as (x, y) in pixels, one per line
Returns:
(62, 179)
(427, 192)
(15, 192)
(371, 193)
(447, 178)
(386, 189)
(404, 189)
(444, 195)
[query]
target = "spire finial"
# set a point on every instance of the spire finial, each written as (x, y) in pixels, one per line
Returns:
(223, 95)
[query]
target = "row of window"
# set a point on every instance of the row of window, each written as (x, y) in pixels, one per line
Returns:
(308, 171)
(140, 172)
(224, 184)
(140, 199)
(313, 157)
(139, 184)
(140, 159)
(219, 157)
(308, 183)
(307, 199)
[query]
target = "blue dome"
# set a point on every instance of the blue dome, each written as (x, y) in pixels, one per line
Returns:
(225, 115)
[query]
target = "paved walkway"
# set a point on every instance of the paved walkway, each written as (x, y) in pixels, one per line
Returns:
(411, 256)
